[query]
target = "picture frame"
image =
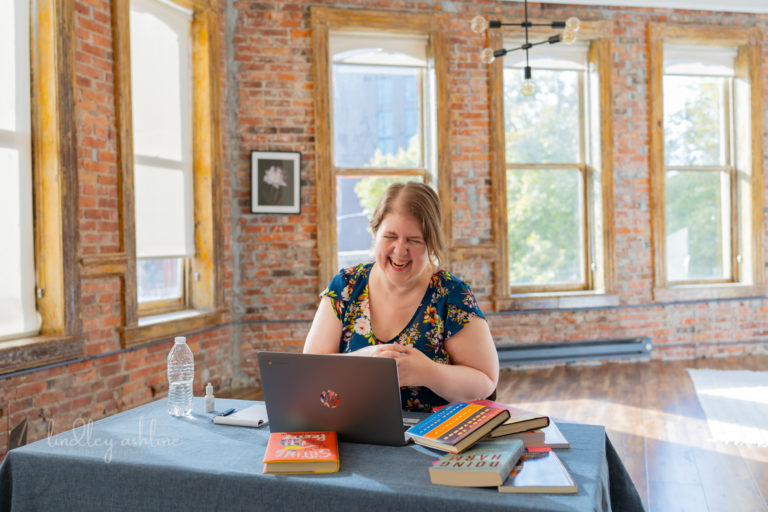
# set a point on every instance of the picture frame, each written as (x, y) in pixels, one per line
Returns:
(275, 182)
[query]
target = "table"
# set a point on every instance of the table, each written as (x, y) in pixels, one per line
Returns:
(144, 459)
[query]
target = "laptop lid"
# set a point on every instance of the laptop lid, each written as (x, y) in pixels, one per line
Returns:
(355, 396)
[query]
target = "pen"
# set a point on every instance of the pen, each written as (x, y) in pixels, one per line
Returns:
(227, 412)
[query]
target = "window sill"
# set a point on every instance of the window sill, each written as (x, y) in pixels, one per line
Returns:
(158, 327)
(31, 352)
(708, 292)
(555, 300)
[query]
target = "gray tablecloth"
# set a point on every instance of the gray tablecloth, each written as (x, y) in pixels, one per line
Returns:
(144, 459)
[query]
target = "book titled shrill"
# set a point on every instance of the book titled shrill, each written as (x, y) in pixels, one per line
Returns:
(301, 452)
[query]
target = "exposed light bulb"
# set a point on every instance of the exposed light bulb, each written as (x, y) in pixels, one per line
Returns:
(479, 24)
(486, 56)
(568, 36)
(528, 87)
(572, 23)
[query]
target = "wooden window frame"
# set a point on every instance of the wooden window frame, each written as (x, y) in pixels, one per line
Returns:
(323, 21)
(748, 64)
(599, 34)
(54, 182)
(204, 296)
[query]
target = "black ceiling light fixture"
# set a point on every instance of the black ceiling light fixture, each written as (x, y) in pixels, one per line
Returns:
(568, 36)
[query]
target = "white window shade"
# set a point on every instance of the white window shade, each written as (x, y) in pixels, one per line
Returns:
(161, 82)
(17, 277)
(162, 211)
(378, 49)
(699, 60)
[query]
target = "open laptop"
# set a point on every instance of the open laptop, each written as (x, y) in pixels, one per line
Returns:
(355, 396)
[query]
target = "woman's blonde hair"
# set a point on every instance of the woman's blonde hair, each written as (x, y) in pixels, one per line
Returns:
(420, 202)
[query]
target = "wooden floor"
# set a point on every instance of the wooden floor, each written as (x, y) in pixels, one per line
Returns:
(655, 422)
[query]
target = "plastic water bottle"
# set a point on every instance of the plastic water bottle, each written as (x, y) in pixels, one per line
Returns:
(181, 374)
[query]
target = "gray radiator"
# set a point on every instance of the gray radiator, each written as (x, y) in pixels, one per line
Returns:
(528, 353)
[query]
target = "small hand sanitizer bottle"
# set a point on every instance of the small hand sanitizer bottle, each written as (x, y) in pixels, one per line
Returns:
(209, 405)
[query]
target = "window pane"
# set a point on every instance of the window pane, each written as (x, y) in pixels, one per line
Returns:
(160, 80)
(17, 274)
(694, 121)
(545, 221)
(161, 99)
(159, 279)
(545, 127)
(17, 280)
(14, 65)
(698, 225)
(373, 116)
(356, 199)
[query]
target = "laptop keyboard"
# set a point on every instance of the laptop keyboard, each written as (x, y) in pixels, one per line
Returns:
(409, 422)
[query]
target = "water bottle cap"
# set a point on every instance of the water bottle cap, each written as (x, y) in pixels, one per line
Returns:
(180, 339)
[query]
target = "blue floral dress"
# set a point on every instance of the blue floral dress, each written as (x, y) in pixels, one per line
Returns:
(448, 305)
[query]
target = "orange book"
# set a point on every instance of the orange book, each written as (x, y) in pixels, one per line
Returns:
(301, 452)
(457, 426)
(519, 420)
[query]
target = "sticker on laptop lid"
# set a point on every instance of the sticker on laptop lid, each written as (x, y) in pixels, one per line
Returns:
(329, 398)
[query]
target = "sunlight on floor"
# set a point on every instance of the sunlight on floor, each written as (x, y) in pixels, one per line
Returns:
(657, 425)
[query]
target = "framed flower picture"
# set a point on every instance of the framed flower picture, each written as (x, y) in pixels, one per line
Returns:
(275, 182)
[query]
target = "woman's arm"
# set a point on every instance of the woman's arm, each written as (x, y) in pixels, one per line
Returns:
(325, 333)
(472, 374)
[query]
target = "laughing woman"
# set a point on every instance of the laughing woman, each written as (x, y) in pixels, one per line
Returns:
(403, 306)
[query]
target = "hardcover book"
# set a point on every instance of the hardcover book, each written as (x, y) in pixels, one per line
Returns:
(457, 426)
(540, 472)
(519, 420)
(301, 452)
(484, 465)
(529, 437)
(548, 436)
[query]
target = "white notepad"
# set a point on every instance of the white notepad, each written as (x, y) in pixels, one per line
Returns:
(253, 416)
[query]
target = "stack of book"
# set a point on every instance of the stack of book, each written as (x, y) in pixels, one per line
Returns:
(493, 444)
(532, 428)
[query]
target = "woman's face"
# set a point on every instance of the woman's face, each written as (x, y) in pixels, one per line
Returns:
(401, 251)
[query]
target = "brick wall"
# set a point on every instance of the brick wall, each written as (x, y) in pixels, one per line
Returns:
(677, 330)
(270, 261)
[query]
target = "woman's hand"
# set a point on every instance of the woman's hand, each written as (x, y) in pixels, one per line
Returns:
(412, 366)
(381, 350)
